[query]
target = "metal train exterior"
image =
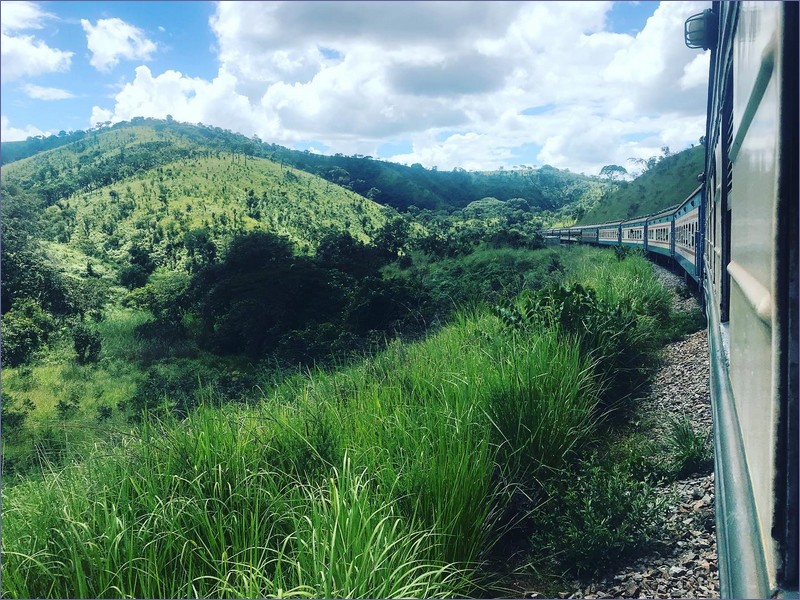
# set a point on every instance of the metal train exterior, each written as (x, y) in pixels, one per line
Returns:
(737, 237)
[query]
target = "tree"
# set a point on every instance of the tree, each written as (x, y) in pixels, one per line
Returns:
(392, 237)
(26, 327)
(87, 344)
(613, 172)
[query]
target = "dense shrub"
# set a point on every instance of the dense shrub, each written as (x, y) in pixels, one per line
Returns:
(87, 343)
(14, 414)
(25, 329)
(602, 514)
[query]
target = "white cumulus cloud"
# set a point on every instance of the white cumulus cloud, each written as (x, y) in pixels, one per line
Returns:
(22, 54)
(38, 92)
(112, 39)
(14, 134)
(474, 84)
(22, 15)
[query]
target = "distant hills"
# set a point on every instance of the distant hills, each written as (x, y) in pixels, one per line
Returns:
(667, 182)
(172, 188)
(142, 187)
(391, 184)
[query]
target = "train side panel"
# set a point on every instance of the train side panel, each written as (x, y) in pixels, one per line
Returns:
(633, 233)
(751, 237)
(589, 235)
(753, 207)
(687, 235)
(660, 233)
(608, 234)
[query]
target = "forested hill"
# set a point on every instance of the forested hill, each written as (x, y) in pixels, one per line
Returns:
(391, 184)
(666, 181)
(137, 187)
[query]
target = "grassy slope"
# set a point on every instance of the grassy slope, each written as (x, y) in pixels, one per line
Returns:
(379, 480)
(170, 185)
(667, 184)
(212, 193)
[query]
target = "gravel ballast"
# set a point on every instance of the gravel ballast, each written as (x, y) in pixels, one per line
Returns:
(683, 562)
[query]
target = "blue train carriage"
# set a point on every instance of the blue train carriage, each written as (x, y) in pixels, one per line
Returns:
(751, 288)
(687, 235)
(634, 232)
(609, 234)
(551, 236)
(588, 234)
(573, 234)
(661, 232)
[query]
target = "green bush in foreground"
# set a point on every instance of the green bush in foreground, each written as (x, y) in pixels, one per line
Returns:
(600, 514)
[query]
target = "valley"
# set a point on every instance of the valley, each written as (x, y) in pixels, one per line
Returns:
(235, 370)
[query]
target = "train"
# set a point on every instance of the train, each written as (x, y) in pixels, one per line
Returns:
(736, 237)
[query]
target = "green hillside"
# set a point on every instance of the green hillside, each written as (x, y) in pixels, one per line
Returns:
(391, 184)
(214, 197)
(668, 182)
(105, 193)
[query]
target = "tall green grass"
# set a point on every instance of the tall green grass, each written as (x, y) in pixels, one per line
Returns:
(378, 480)
(387, 478)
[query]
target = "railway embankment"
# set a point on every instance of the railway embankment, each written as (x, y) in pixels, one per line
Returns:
(683, 562)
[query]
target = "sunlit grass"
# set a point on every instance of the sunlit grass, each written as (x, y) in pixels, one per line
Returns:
(385, 478)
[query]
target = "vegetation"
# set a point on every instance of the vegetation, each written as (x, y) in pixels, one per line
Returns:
(146, 143)
(690, 449)
(257, 383)
(407, 462)
(664, 181)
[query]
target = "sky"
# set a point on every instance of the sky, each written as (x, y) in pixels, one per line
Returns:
(473, 85)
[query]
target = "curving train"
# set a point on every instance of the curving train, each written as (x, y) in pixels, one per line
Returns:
(736, 236)
(674, 233)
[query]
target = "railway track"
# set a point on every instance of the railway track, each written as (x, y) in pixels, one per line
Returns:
(683, 562)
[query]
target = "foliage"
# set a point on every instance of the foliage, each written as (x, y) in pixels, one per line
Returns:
(613, 172)
(26, 328)
(14, 413)
(604, 513)
(258, 293)
(165, 296)
(665, 183)
(690, 449)
(610, 334)
(87, 344)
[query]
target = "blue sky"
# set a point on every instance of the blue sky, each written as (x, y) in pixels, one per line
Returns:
(476, 85)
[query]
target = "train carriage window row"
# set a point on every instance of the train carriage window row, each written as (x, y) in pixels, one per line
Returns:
(685, 234)
(659, 234)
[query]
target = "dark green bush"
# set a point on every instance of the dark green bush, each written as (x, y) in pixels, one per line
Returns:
(25, 328)
(600, 514)
(14, 413)
(87, 343)
(104, 413)
(170, 387)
